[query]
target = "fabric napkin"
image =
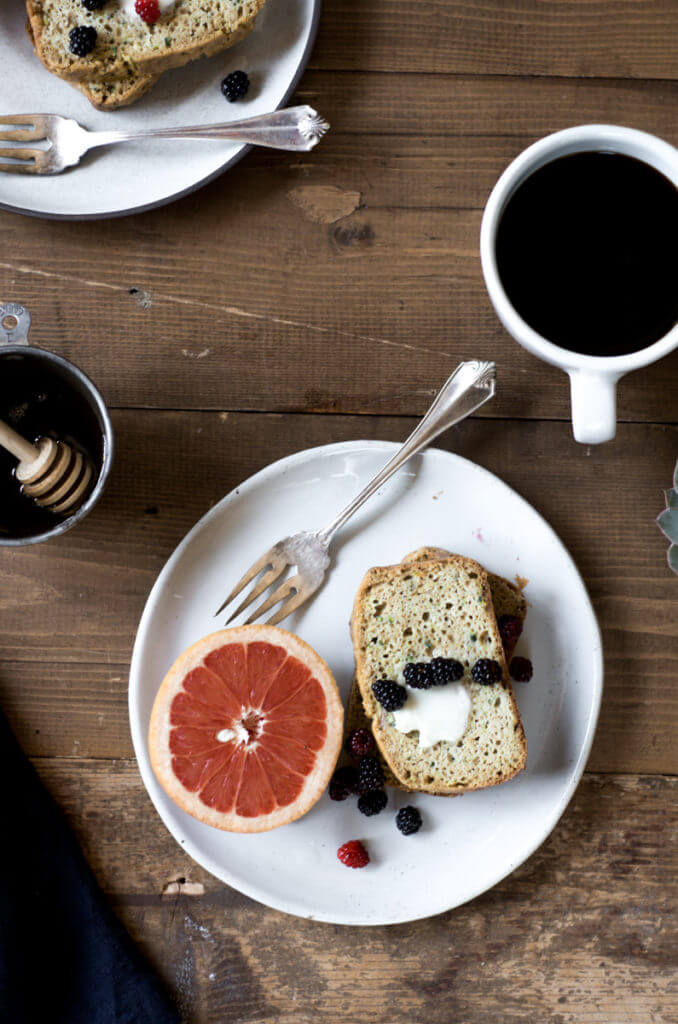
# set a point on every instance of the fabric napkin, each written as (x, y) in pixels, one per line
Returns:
(64, 956)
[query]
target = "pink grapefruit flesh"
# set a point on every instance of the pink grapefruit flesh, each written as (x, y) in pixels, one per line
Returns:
(246, 729)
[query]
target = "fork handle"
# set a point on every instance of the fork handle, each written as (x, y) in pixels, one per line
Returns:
(294, 128)
(470, 386)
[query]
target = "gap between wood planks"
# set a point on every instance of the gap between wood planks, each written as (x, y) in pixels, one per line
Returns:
(492, 76)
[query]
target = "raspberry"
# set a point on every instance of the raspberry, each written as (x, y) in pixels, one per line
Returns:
(372, 803)
(510, 628)
(235, 86)
(486, 671)
(343, 783)
(353, 854)
(446, 670)
(82, 40)
(521, 670)
(360, 742)
(418, 675)
(390, 695)
(370, 775)
(408, 820)
(148, 10)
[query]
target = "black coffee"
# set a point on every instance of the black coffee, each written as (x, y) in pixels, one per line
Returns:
(587, 251)
(38, 400)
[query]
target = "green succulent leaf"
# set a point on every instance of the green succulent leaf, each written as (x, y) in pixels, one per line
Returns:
(667, 522)
(671, 498)
(673, 557)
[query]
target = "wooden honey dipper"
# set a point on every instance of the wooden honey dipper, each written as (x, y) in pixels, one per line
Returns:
(52, 473)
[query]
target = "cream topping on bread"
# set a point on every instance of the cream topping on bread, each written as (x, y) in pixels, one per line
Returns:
(441, 713)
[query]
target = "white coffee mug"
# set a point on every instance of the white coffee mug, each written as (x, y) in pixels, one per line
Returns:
(593, 379)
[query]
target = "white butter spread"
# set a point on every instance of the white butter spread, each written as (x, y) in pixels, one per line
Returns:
(441, 713)
(129, 10)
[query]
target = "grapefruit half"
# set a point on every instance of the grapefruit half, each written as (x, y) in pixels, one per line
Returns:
(246, 729)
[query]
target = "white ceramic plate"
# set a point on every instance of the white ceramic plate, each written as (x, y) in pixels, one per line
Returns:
(139, 176)
(467, 844)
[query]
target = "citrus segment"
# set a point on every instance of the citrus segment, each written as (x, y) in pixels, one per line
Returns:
(246, 729)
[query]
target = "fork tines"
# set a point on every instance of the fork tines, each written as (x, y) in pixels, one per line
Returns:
(31, 128)
(272, 564)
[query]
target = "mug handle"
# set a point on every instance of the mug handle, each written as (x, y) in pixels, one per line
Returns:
(15, 323)
(594, 406)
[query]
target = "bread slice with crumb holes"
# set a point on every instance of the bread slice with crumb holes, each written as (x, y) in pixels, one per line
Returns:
(436, 603)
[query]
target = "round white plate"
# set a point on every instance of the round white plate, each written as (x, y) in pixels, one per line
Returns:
(466, 845)
(139, 176)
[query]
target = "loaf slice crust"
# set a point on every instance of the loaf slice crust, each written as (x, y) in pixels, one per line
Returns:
(190, 29)
(110, 94)
(412, 612)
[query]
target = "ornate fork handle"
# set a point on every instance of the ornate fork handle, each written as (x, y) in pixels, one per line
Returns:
(295, 128)
(469, 387)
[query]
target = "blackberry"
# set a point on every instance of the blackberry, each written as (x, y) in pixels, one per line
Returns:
(235, 86)
(82, 40)
(521, 670)
(390, 695)
(360, 743)
(418, 675)
(370, 775)
(372, 803)
(446, 670)
(510, 628)
(93, 5)
(486, 671)
(343, 783)
(408, 820)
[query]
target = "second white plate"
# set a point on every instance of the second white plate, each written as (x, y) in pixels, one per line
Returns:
(139, 176)
(466, 845)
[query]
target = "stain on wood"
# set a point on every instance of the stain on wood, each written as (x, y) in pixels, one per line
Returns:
(325, 204)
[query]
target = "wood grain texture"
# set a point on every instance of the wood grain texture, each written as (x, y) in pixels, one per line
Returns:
(256, 297)
(348, 282)
(70, 607)
(580, 38)
(583, 933)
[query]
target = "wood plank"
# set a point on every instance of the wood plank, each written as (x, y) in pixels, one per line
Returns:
(603, 38)
(269, 303)
(70, 608)
(584, 932)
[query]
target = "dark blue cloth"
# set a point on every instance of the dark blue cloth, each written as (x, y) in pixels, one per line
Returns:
(64, 956)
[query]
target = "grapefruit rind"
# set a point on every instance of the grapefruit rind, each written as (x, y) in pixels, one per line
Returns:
(160, 730)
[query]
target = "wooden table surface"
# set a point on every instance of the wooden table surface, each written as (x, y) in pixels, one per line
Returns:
(303, 300)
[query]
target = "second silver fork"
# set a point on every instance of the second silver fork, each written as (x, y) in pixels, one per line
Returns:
(470, 386)
(296, 128)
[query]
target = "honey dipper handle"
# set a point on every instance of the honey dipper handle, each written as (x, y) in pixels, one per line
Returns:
(15, 443)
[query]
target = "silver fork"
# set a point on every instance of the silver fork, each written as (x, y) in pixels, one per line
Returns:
(295, 128)
(469, 387)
